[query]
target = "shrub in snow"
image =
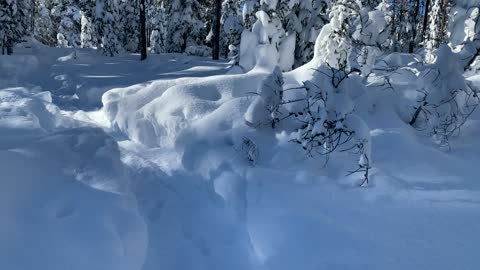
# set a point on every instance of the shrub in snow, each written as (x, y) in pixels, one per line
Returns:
(464, 30)
(323, 116)
(265, 108)
(203, 51)
(250, 150)
(334, 41)
(306, 19)
(267, 32)
(446, 100)
(370, 38)
(327, 118)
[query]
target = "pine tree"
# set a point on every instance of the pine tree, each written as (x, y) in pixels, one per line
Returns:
(70, 23)
(158, 24)
(232, 26)
(311, 16)
(44, 24)
(336, 37)
(438, 26)
(87, 35)
(106, 18)
(129, 20)
(184, 25)
(13, 23)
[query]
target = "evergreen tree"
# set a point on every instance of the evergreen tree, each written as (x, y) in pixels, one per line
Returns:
(158, 24)
(185, 25)
(438, 26)
(13, 23)
(43, 23)
(67, 15)
(335, 40)
(129, 20)
(106, 18)
(87, 35)
(232, 27)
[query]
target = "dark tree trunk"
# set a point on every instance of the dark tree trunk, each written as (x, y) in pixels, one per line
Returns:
(33, 18)
(425, 20)
(216, 29)
(143, 32)
(411, 46)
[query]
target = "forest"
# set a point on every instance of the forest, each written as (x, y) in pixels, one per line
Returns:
(239, 134)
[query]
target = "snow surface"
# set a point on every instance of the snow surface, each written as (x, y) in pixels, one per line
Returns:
(109, 163)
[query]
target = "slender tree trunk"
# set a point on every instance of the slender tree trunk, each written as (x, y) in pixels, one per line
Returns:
(425, 19)
(33, 17)
(143, 32)
(413, 38)
(216, 26)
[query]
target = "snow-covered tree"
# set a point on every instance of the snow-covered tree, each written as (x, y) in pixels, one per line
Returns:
(184, 25)
(438, 26)
(265, 109)
(106, 25)
(67, 17)
(335, 39)
(370, 38)
(87, 34)
(158, 25)
(307, 18)
(129, 20)
(13, 23)
(44, 26)
(232, 27)
(445, 100)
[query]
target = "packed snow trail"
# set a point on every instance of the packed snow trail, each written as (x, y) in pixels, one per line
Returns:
(157, 177)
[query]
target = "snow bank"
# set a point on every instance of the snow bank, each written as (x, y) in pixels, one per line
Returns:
(61, 191)
(162, 113)
(15, 68)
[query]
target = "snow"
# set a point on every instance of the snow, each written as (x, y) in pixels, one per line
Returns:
(109, 163)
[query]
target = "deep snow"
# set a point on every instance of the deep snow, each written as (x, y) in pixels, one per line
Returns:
(154, 175)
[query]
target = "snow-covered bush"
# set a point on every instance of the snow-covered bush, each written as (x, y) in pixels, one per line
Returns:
(321, 114)
(335, 40)
(267, 32)
(370, 39)
(203, 51)
(250, 150)
(464, 27)
(446, 100)
(265, 108)
(327, 119)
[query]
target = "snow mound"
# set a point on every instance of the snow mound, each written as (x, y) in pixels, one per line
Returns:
(162, 113)
(73, 194)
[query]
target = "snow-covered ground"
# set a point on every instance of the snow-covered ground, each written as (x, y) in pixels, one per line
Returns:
(110, 163)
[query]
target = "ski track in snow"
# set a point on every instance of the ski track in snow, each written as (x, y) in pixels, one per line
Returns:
(77, 193)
